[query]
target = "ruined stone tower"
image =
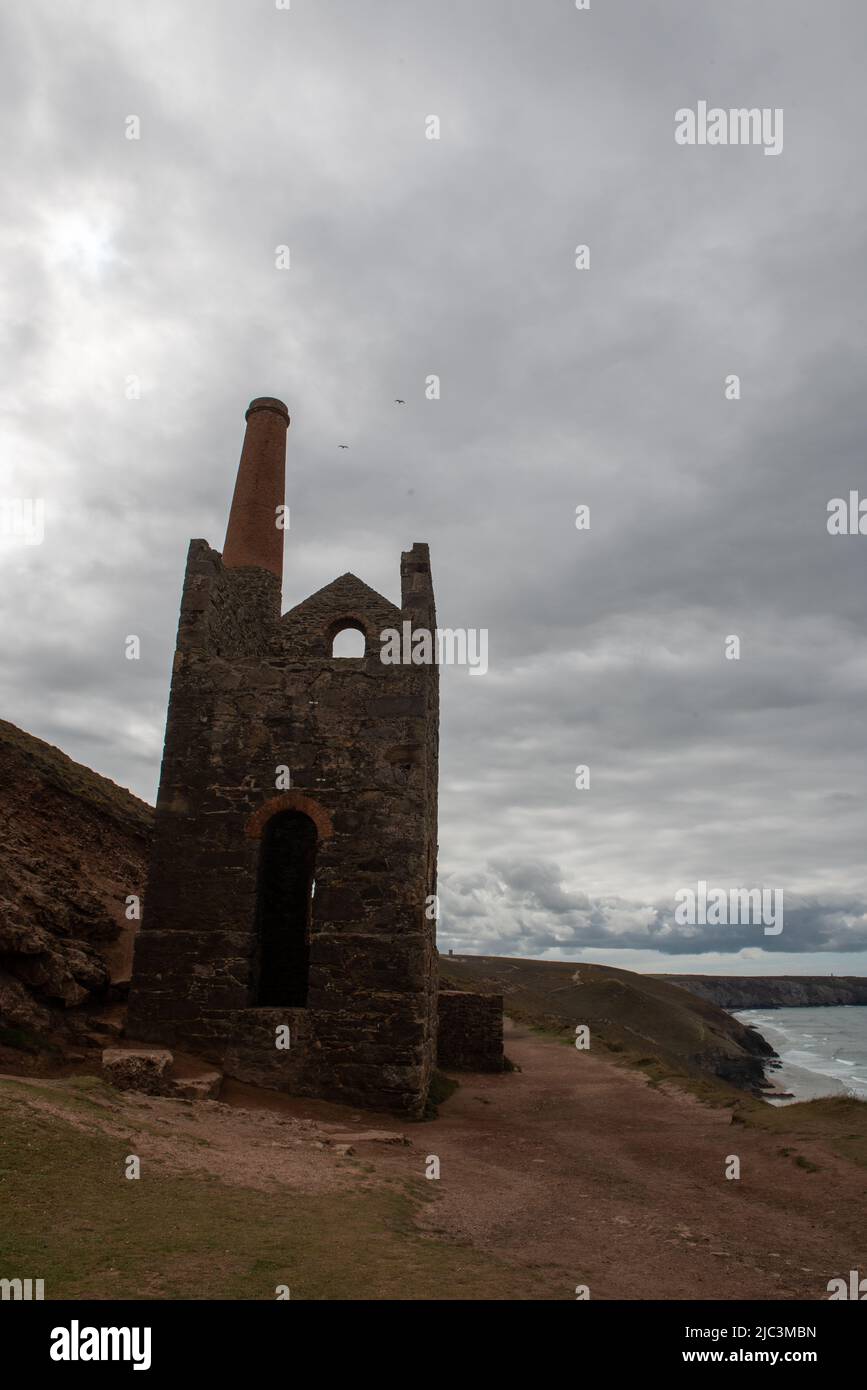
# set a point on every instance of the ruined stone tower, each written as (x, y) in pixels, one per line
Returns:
(294, 857)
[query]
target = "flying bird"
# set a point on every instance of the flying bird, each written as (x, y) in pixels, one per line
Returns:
(400, 402)
(343, 446)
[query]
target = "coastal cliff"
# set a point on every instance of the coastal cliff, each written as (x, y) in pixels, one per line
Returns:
(735, 992)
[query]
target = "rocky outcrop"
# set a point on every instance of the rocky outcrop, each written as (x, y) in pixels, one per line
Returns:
(773, 991)
(73, 848)
(19, 1011)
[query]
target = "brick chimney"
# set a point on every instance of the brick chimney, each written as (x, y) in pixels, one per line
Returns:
(253, 538)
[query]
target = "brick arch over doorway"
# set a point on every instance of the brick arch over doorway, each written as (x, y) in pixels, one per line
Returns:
(290, 801)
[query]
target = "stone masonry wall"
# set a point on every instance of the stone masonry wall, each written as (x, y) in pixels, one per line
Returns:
(252, 692)
(470, 1031)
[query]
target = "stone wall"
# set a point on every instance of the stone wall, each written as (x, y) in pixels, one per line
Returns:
(253, 692)
(470, 1034)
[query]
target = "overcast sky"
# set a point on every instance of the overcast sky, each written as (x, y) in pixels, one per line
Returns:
(155, 258)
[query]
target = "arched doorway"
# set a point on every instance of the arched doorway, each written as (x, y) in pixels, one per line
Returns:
(284, 895)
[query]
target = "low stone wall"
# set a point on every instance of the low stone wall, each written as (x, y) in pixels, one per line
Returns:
(470, 1036)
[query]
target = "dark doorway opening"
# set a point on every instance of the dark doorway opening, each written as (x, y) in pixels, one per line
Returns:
(284, 910)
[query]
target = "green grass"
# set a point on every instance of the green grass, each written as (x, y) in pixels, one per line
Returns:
(70, 1217)
(838, 1121)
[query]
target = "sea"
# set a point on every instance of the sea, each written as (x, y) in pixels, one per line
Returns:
(823, 1051)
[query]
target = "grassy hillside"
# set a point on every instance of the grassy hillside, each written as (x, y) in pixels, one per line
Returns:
(59, 775)
(187, 1230)
(642, 1018)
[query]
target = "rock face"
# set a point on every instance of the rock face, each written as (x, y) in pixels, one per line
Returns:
(773, 991)
(287, 935)
(18, 1008)
(73, 847)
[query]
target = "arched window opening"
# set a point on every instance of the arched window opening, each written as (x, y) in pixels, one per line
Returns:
(348, 642)
(284, 910)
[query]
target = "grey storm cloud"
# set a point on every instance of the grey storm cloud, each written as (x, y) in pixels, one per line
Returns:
(154, 259)
(527, 908)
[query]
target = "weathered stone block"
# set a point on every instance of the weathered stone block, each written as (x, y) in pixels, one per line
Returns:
(141, 1070)
(470, 1031)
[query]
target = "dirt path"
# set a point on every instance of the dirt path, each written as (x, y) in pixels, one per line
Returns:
(582, 1169)
(572, 1171)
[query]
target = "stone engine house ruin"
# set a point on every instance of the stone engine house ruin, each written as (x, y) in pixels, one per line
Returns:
(295, 852)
